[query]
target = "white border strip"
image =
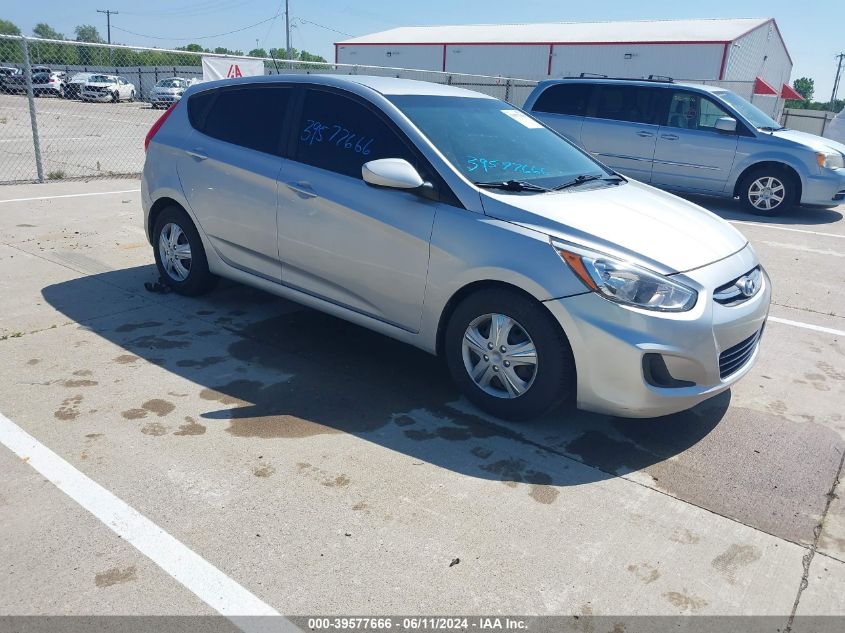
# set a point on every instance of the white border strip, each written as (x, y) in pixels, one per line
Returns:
(70, 195)
(786, 228)
(808, 326)
(195, 573)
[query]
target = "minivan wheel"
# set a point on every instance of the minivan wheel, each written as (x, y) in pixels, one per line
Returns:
(507, 355)
(179, 254)
(768, 192)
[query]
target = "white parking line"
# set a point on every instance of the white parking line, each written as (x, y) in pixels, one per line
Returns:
(71, 195)
(808, 326)
(195, 573)
(784, 228)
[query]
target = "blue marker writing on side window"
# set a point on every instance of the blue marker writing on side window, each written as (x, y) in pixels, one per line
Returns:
(335, 134)
(491, 164)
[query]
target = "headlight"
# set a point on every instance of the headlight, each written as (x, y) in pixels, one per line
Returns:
(627, 283)
(830, 160)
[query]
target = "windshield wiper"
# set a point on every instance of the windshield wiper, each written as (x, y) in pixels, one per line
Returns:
(771, 128)
(580, 180)
(511, 185)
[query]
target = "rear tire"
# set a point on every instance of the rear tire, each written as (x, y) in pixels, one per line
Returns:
(768, 191)
(507, 384)
(179, 253)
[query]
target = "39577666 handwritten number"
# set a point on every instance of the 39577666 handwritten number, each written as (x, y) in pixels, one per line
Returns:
(337, 135)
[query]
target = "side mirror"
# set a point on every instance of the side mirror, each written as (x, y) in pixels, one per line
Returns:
(393, 173)
(726, 124)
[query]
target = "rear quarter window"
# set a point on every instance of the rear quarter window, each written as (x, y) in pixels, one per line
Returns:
(569, 99)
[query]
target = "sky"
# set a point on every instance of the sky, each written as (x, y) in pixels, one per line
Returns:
(814, 30)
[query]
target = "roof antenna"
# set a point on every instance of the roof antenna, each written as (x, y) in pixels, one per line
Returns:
(274, 62)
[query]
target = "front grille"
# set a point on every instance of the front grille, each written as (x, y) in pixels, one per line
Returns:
(734, 358)
(741, 289)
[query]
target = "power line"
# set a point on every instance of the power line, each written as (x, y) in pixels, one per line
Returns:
(199, 37)
(323, 26)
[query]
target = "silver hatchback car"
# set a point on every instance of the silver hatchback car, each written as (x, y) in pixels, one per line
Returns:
(454, 222)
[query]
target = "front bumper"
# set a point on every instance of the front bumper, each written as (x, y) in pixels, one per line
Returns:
(164, 99)
(97, 96)
(609, 343)
(826, 189)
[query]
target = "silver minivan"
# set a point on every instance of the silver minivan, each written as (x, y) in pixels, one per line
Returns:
(454, 222)
(692, 138)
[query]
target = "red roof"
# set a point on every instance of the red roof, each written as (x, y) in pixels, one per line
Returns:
(788, 92)
(763, 88)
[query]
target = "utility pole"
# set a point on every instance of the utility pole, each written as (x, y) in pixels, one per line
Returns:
(840, 57)
(108, 13)
(287, 28)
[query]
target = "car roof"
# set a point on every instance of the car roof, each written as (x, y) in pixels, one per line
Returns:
(382, 85)
(631, 82)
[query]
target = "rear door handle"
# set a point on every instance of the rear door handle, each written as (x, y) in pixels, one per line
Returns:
(303, 189)
(196, 153)
(645, 134)
(669, 137)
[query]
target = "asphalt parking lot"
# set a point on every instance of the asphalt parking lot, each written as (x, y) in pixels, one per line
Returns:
(323, 469)
(77, 138)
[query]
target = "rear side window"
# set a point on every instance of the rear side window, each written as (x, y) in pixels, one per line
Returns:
(565, 99)
(198, 106)
(250, 117)
(635, 104)
(340, 134)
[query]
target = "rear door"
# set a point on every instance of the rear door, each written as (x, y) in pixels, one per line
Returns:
(621, 127)
(230, 171)
(361, 247)
(563, 106)
(691, 154)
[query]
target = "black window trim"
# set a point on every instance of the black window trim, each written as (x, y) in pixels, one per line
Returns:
(446, 195)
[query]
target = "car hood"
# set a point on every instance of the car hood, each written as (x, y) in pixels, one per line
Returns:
(632, 220)
(99, 84)
(816, 143)
(168, 90)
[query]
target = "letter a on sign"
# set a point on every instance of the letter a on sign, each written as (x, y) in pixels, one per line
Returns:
(234, 71)
(230, 68)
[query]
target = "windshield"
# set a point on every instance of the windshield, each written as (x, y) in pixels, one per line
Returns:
(488, 140)
(751, 112)
(171, 83)
(100, 79)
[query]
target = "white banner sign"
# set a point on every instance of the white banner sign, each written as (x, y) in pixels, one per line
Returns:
(230, 67)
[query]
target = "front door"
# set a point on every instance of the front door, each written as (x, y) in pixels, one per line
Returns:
(340, 239)
(230, 170)
(691, 154)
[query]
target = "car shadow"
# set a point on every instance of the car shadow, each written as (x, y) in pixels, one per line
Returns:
(732, 210)
(269, 369)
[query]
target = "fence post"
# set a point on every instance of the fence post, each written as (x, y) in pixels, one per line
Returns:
(508, 90)
(30, 95)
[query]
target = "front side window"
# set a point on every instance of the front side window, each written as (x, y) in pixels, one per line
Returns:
(751, 112)
(571, 99)
(340, 134)
(250, 117)
(488, 140)
(634, 104)
(692, 111)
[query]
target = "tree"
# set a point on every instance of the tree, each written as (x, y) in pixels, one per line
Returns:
(310, 57)
(192, 48)
(47, 32)
(258, 52)
(88, 33)
(805, 87)
(9, 28)
(222, 50)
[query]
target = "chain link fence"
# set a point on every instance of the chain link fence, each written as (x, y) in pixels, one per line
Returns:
(79, 110)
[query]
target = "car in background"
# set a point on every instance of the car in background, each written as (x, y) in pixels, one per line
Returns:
(75, 84)
(52, 83)
(836, 128)
(5, 73)
(453, 221)
(167, 91)
(108, 88)
(694, 139)
(14, 81)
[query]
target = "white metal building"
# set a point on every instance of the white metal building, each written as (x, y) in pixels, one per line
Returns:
(748, 50)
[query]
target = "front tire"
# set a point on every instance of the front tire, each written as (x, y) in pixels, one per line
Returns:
(115, 97)
(179, 254)
(508, 356)
(768, 191)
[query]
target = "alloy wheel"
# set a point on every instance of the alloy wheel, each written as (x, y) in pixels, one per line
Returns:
(175, 251)
(766, 193)
(499, 356)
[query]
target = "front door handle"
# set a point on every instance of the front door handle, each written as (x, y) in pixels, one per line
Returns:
(196, 153)
(303, 189)
(669, 137)
(645, 134)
